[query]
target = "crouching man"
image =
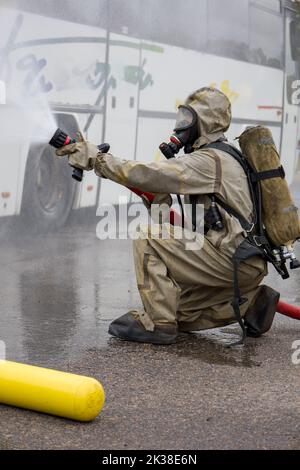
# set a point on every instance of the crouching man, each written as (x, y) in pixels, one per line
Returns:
(191, 289)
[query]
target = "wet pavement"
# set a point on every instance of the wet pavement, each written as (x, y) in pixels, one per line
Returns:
(58, 294)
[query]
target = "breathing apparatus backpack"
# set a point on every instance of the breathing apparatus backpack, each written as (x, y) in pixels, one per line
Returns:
(275, 226)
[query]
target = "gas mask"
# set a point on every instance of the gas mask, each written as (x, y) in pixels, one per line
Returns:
(185, 133)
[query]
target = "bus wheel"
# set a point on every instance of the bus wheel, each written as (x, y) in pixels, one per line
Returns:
(49, 190)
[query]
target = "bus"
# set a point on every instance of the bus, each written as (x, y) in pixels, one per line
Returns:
(117, 70)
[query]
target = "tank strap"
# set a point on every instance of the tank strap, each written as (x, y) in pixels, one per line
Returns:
(268, 174)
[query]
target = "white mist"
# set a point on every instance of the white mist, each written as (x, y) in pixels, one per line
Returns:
(27, 119)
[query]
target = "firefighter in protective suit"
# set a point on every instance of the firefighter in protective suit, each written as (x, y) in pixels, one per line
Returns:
(186, 290)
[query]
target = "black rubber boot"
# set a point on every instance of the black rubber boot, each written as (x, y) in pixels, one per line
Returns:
(260, 315)
(130, 329)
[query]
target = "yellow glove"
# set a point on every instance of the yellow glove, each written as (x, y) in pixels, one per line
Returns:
(81, 154)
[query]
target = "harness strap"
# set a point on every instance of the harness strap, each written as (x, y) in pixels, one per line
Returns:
(181, 209)
(242, 220)
(237, 155)
(244, 251)
(253, 245)
(193, 201)
(233, 151)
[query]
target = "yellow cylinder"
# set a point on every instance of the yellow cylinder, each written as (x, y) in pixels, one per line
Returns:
(280, 215)
(50, 391)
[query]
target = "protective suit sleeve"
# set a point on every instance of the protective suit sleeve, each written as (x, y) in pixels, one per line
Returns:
(159, 198)
(194, 173)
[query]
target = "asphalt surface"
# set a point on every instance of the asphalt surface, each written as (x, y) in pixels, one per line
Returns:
(58, 294)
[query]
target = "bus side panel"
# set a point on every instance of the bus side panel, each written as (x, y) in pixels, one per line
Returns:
(9, 178)
(50, 62)
(87, 190)
(151, 133)
(121, 112)
(244, 84)
(254, 90)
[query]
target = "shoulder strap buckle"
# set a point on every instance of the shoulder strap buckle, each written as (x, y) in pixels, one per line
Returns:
(250, 229)
(259, 240)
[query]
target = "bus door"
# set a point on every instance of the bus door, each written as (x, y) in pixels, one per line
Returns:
(290, 111)
(121, 106)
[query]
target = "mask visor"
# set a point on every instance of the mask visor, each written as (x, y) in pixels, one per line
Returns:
(186, 118)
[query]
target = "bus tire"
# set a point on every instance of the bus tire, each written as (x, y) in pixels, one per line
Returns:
(49, 190)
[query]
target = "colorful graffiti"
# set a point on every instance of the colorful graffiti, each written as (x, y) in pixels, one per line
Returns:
(34, 67)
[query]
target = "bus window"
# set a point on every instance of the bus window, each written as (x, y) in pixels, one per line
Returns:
(269, 4)
(266, 36)
(228, 28)
(93, 12)
(179, 23)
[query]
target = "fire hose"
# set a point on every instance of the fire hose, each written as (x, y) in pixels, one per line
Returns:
(288, 310)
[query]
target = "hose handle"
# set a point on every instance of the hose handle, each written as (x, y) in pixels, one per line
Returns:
(78, 173)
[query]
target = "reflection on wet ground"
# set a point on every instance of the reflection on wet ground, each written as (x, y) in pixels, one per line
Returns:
(60, 292)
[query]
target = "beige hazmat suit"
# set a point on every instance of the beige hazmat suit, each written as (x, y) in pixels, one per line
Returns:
(192, 289)
(186, 288)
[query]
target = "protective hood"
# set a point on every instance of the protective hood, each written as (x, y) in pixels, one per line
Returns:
(213, 109)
